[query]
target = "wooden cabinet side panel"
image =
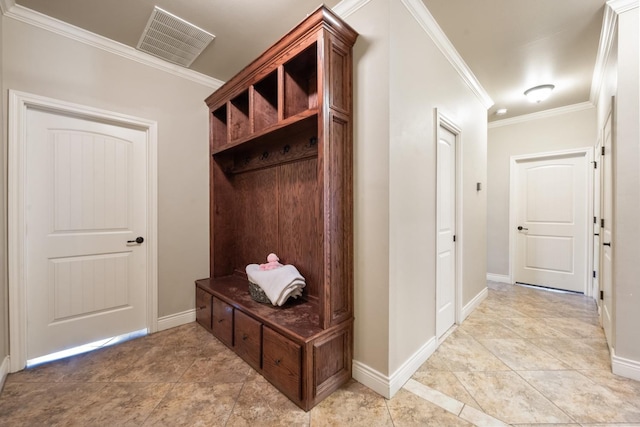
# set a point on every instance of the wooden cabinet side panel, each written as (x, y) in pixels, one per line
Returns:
(338, 201)
(332, 357)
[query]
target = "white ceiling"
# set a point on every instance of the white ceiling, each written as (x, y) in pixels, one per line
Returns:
(510, 45)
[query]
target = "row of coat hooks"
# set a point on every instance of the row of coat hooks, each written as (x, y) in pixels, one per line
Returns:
(313, 141)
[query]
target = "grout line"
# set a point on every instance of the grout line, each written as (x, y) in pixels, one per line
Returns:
(449, 404)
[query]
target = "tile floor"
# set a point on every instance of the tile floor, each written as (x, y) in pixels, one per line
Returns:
(525, 357)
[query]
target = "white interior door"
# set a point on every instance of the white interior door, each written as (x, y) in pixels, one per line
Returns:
(597, 185)
(606, 258)
(446, 230)
(85, 198)
(551, 220)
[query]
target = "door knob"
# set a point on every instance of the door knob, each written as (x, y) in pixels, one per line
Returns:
(138, 240)
(520, 228)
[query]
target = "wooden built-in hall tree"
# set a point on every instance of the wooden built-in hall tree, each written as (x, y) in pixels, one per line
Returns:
(281, 181)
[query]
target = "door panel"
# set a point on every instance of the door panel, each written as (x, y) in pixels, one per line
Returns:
(446, 229)
(85, 199)
(606, 248)
(551, 211)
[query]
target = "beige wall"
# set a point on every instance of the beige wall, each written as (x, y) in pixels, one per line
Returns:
(4, 289)
(575, 129)
(39, 62)
(395, 183)
(626, 209)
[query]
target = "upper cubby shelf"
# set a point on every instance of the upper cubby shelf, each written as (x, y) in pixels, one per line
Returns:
(279, 96)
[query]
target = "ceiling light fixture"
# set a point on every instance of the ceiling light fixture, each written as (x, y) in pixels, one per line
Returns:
(501, 112)
(538, 93)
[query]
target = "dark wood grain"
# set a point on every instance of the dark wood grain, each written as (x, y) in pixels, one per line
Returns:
(203, 308)
(281, 181)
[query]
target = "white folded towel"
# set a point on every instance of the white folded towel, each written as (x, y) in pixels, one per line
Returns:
(278, 284)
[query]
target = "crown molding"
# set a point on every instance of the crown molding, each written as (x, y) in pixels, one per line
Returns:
(347, 7)
(424, 18)
(542, 114)
(56, 26)
(621, 6)
(6, 5)
(607, 34)
(431, 27)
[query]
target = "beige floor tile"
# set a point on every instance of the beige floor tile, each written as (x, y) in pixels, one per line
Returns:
(192, 404)
(507, 397)
(351, 405)
(531, 328)
(434, 396)
(479, 418)
(468, 355)
(259, 403)
(575, 327)
(446, 383)
(487, 328)
(44, 404)
(221, 367)
(520, 354)
(407, 409)
(580, 397)
(577, 353)
(625, 388)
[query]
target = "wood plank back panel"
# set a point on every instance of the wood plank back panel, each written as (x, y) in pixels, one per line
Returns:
(300, 229)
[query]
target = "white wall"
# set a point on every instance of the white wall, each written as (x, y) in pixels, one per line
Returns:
(573, 129)
(626, 229)
(43, 63)
(395, 186)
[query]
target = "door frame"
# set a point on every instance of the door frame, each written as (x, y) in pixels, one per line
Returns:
(587, 152)
(443, 121)
(19, 104)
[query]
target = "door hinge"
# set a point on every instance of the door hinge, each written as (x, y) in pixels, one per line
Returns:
(601, 294)
(454, 237)
(595, 220)
(594, 274)
(595, 165)
(602, 150)
(602, 223)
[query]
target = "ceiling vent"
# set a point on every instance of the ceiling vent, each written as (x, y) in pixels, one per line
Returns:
(173, 39)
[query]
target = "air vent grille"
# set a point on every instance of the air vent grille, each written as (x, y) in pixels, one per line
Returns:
(173, 39)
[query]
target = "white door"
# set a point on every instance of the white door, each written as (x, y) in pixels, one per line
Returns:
(85, 198)
(606, 258)
(597, 185)
(446, 230)
(551, 220)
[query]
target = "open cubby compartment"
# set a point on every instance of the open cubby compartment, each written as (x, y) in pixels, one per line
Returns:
(218, 122)
(301, 82)
(271, 209)
(239, 124)
(265, 102)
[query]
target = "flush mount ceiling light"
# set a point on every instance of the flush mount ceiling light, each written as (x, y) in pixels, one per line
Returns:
(172, 38)
(501, 112)
(538, 93)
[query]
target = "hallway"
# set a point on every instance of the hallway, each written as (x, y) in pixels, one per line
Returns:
(524, 357)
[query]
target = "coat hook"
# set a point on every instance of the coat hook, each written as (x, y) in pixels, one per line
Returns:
(286, 149)
(264, 155)
(313, 141)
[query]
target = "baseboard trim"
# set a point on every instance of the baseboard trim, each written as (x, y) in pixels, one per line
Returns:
(625, 367)
(500, 278)
(388, 386)
(177, 319)
(4, 371)
(474, 303)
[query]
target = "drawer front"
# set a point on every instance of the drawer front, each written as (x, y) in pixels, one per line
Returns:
(203, 308)
(247, 338)
(222, 321)
(282, 363)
